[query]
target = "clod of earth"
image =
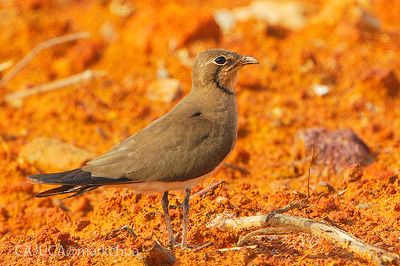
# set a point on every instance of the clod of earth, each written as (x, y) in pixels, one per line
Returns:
(335, 150)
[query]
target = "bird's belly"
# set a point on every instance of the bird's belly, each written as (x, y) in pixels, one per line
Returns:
(160, 186)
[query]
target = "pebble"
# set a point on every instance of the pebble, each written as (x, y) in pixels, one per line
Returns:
(321, 90)
(291, 15)
(164, 90)
(54, 155)
(225, 19)
(337, 149)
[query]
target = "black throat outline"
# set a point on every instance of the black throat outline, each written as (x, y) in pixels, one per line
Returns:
(219, 85)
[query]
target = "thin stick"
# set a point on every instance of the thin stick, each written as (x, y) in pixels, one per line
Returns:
(237, 248)
(5, 65)
(38, 48)
(205, 245)
(299, 204)
(207, 189)
(293, 224)
(309, 170)
(263, 231)
(58, 84)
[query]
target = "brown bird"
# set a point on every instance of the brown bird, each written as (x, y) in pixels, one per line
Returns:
(175, 151)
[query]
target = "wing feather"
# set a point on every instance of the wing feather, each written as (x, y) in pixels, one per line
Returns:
(166, 150)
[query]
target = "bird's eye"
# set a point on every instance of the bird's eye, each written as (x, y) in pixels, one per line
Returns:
(220, 60)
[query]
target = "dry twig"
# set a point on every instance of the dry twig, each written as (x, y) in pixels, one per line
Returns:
(263, 231)
(312, 159)
(237, 248)
(207, 189)
(198, 248)
(5, 65)
(16, 97)
(292, 224)
(298, 204)
(38, 48)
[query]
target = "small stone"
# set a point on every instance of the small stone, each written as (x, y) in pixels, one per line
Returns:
(335, 150)
(321, 90)
(224, 19)
(54, 155)
(121, 8)
(288, 14)
(353, 173)
(165, 90)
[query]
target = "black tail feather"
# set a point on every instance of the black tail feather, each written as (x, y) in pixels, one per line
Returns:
(74, 181)
(82, 190)
(65, 189)
(75, 177)
(56, 191)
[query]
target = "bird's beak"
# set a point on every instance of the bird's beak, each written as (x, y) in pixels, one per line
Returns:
(247, 60)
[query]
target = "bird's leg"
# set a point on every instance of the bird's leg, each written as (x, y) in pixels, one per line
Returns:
(165, 204)
(185, 220)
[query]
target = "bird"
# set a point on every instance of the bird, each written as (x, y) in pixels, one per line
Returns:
(175, 151)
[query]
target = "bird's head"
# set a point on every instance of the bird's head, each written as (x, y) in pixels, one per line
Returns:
(219, 68)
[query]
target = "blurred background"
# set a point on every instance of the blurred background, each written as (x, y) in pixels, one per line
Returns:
(78, 77)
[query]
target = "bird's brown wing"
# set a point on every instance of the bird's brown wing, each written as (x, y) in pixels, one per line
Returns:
(166, 150)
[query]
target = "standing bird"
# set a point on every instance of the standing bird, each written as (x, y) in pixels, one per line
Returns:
(175, 151)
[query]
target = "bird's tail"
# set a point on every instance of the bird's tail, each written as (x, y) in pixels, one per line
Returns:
(74, 181)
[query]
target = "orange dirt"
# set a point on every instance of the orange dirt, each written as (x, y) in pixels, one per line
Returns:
(338, 48)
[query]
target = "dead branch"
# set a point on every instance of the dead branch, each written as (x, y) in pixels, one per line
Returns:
(205, 245)
(292, 224)
(237, 248)
(5, 65)
(309, 170)
(298, 204)
(37, 49)
(16, 97)
(207, 189)
(263, 231)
